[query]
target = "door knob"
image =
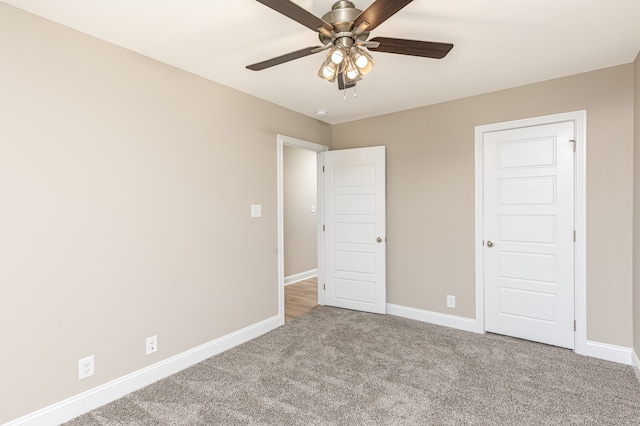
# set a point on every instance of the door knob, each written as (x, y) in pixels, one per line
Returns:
(489, 243)
(379, 240)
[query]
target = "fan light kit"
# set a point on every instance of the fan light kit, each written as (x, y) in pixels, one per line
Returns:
(344, 31)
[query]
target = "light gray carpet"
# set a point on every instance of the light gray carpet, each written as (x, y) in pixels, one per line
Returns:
(339, 367)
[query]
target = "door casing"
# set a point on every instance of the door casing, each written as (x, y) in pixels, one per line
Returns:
(580, 120)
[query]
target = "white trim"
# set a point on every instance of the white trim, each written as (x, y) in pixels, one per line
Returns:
(619, 354)
(437, 318)
(281, 141)
(320, 239)
(479, 216)
(580, 119)
(581, 231)
(609, 352)
(635, 362)
(82, 403)
(291, 279)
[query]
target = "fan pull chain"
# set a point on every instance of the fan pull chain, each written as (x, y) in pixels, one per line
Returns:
(344, 93)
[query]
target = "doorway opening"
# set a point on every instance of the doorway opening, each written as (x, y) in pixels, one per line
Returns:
(302, 267)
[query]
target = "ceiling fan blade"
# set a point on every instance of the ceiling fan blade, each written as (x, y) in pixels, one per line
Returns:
(298, 14)
(380, 11)
(284, 58)
(425, 49)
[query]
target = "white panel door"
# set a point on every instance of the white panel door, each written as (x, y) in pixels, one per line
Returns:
(529, 233)
(355, 244)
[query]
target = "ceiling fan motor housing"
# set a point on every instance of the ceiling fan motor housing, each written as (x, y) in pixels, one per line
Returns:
(342, 16)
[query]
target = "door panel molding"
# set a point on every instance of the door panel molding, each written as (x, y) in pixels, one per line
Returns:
(579, 118)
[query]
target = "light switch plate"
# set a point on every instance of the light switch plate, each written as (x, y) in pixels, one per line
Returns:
(313, 208)
(256, 210)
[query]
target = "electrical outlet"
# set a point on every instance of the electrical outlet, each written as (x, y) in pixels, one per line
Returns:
(152, 344)
(86, 367)
(451, 301)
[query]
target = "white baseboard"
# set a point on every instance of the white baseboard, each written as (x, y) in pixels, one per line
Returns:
(437, 318)
(635, 361)
(68, 409)
(609, 352)
(300, 276)
(620, 354)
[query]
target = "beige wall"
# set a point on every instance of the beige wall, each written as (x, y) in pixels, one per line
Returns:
(300, 225)
(636, 209)
(126, 188)
(430, 190)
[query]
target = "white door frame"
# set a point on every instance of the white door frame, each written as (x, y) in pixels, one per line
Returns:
(580, 120)
(283, 141)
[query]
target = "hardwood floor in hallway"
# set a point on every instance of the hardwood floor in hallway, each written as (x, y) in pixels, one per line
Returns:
(300, 298)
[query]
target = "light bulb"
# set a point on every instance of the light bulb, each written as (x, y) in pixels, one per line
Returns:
(350, 69)
(362, 61)
(337, 56)
(327, 72)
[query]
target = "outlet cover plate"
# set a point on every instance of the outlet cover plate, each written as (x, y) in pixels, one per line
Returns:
(451, 301)
(86, 367)
(152, 344)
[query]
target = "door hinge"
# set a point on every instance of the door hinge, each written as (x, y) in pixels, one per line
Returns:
(574, 236)
(324, 286)
(322, 169)
(573, 142)
(574, 325)
(323, 228)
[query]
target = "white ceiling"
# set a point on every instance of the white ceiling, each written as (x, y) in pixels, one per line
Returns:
(498, 44)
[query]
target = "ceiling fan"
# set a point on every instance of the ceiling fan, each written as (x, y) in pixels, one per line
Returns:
(344, 31)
